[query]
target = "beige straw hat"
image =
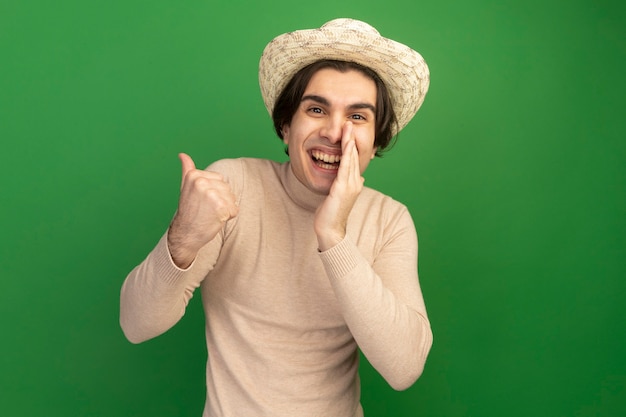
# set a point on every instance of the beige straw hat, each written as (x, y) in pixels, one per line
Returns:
(402, 69)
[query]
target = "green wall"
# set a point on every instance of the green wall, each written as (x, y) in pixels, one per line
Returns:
(514, 171)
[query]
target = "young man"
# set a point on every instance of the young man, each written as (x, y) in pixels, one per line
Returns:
(298, 263)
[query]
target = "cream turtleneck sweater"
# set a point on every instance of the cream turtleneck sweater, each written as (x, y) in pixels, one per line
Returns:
(283, 320)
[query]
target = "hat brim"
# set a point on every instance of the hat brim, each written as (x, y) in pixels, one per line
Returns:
(402, 69)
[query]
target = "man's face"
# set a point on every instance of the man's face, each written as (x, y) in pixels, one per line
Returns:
(315, 133)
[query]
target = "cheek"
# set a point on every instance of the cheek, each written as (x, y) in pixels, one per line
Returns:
(365, 157)
(365, 147)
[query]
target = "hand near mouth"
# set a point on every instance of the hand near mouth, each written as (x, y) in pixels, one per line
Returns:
(331, 217)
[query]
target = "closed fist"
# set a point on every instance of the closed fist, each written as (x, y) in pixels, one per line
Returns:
(206, 204)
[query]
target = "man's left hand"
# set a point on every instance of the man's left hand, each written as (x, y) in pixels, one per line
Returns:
(331, 217)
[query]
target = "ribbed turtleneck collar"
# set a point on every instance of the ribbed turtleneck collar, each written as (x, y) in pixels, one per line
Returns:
(297, 191)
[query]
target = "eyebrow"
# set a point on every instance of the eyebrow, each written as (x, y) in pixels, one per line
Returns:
(325, 102)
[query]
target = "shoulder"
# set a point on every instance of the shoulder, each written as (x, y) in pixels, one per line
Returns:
(379, 210)
(239, 172)
(237, 167)
(378, 221)
(374, 201)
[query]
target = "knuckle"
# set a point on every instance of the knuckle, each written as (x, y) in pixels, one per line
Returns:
(213, 195)
(199, 181)
(214, 175)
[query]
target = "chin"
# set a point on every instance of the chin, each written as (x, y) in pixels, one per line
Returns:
(322, 189)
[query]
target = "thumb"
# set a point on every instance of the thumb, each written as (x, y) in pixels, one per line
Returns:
(187, 164)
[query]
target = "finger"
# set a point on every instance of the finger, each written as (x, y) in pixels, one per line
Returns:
(226, 205)
(233, 211)
(355, 160)
(355, 169)
(349, 141)
(346, 139)
(187, 165)
(350, 152)
(347, 136)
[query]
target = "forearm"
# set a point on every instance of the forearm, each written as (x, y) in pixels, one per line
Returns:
(154, 295)
(388, 323)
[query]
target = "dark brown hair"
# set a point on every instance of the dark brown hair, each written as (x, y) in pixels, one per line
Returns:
(289, 100)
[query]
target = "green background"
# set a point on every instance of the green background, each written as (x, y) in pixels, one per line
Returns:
(514, 171)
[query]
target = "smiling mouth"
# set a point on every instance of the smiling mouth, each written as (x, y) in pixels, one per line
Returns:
(325, 160)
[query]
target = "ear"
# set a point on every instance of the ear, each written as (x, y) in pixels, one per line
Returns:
(285, 131)
(374, 149)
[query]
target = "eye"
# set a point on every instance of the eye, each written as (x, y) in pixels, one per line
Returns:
(315, 110)
(357, 117)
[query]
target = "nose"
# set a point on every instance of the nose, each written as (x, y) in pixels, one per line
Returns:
(332, 130)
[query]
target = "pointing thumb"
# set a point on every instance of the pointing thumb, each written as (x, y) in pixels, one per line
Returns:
(187, 165)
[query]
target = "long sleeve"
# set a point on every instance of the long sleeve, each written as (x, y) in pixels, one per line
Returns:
(382, 302)
(156, 292)
(282, 323)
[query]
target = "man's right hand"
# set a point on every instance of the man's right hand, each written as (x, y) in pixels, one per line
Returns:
(206, 203)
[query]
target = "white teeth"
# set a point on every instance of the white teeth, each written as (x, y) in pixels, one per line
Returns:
(330, 159)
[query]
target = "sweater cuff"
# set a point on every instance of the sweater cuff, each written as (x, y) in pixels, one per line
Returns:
(164, 265)
(341, 259)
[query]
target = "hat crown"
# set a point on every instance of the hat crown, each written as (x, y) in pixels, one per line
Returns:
(351, 24)
(402, 70)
